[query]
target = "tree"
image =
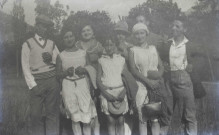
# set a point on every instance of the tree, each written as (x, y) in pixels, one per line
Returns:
(204, 28)
(56, 12)
(160, 14)
(100, 20)
(19, 29)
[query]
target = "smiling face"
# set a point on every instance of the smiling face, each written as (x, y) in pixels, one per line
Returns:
(178, 28)
(87, 33)
(141, 36)
(69, 39)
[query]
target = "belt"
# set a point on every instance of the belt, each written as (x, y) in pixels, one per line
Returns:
(111, 88)
(76, 79)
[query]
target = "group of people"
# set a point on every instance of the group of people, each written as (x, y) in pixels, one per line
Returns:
(120, 78)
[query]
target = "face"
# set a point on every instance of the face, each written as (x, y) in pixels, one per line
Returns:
(120, 36)
(69, 39)
(140, 35)
(41, 29)
(87, 33)
(178, 28)
(141, 19)
(110, 47)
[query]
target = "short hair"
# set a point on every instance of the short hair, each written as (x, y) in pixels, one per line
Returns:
(64, 31)
(183, 19)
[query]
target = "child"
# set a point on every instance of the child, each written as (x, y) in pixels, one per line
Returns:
(75, 87)
(113, 93)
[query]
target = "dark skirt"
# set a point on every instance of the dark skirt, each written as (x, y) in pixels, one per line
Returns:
(162, 95)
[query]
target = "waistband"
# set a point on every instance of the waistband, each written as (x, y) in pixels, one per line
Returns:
(76, 79)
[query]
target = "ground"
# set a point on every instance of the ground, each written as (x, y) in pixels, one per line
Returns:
(14, 108)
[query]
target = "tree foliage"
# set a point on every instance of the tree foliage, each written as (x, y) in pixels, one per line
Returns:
(99, 20)
(56, 12)
(160, 14)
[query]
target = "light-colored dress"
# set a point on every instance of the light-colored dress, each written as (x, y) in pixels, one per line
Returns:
(146, 58)
(75, 89)
(112, 69)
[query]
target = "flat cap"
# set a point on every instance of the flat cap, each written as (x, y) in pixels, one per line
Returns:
(44, 19)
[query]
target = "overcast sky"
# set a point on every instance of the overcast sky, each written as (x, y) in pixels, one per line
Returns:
(113, 7)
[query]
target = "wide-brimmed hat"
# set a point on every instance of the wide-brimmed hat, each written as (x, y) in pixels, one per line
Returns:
(44, 20)
(117, 107)
(122, 26)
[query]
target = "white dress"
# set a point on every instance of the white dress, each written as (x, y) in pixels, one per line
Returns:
(112, 70)
(75, 90)
(146, 58)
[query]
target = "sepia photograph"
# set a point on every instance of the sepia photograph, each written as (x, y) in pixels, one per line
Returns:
(109, 67)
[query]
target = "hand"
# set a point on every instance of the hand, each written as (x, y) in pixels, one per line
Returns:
(70, 71)
(166, 67)
(153, 84)
(154, 75)
(111, 98)
(47, 57)
(80, 71)
(35, 91)
(131, 112)
(121, 96)
(189, 68)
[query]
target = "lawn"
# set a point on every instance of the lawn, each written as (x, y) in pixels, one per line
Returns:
(14, 108)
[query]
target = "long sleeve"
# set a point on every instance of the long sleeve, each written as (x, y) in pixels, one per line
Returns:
(55, 54)
(26, 66)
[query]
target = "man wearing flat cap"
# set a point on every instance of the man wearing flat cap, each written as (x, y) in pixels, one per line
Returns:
(38, 64)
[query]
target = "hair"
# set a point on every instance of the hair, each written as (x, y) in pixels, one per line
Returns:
(106, 41)
(84, 25)
(64, 31)
(183, 19)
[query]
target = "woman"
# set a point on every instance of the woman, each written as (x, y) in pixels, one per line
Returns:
(75, 86)
(93, 49)
(146, 66)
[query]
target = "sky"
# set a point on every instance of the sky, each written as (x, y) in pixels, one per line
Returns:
(113, 7)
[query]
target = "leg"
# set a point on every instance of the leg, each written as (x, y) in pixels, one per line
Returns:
(120, 125)
(52, 107)
(111, 125)
(76, 127)
(36, 106)
(128, 124)
(155, 127)
(87, 128)
(189, 115)
(96, 127)
(142, 123)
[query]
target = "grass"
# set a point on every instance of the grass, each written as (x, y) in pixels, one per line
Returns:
(14, 106)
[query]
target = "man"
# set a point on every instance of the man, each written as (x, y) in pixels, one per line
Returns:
(38, 64)
(177, 58)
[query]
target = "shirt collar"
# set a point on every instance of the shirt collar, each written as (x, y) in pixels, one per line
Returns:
(185, 40)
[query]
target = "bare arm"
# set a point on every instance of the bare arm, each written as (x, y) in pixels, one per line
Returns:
(60, 74)
(102, 87)
(134, 70)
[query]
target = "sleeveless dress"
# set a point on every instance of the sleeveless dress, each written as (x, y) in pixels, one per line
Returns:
(76, 90)
(146, 58)
(112, 70)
